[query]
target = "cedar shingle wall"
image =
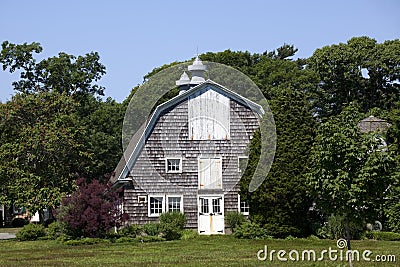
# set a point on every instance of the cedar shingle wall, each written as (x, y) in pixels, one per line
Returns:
(170, 138)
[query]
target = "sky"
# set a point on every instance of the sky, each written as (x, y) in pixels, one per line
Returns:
(134, 37)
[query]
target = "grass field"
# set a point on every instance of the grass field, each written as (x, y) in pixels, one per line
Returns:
(203, 251)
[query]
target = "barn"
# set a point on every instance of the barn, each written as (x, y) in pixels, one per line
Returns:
(190, 156)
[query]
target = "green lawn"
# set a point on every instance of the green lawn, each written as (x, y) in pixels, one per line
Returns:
(204, 251)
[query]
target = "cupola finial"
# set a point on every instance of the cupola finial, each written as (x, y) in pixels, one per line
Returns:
(197, 70)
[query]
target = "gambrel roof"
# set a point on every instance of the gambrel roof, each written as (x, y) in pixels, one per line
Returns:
(138, 140)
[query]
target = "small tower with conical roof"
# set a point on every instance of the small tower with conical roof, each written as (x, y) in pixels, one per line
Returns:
(197, 70)
(183, 83)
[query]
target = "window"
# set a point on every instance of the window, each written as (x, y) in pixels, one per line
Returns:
(161, 203)
(216, 202)
(242, 163)
(156, 205)
(243, 207)
(175, 203)
(204, 205)
(173, 165)
(142, 199)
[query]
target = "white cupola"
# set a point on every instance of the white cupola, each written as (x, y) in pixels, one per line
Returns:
(184, 80)
(197, 70)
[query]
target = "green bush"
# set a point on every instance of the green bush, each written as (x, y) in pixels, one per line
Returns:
(385, 236)
(56, 229)
(63, 238)
(335, 228)
(313, 237)
(393, 214)
(175, 218)
(112, 235)
(251, 230)
(132, 230)
(234, 219)
(172, 225)
(189, 234)
(171, 231)
(281, 231)
(31, 232)
(290, 237)
(152, 229)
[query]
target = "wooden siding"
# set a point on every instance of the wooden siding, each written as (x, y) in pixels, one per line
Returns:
(170, 138)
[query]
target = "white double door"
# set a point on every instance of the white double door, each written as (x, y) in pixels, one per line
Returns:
(211, 214)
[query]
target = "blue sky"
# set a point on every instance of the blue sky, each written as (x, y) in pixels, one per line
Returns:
(133, 37)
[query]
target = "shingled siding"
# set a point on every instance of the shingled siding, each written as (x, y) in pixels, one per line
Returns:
(170, 138)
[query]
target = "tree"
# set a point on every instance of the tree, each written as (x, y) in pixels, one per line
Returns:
(55, 121)
(392, 207)
(65, 74)
(102, 121)
(361, 70)
(350, 171)
(92, 210)
(41, 151)
(281, 203)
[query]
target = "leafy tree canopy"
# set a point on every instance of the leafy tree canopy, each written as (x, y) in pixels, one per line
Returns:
(361, 70)
(63, 73)
(351, 171)
(42, 149)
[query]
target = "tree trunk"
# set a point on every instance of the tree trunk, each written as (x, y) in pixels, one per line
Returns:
(41, 216)
(348, 241)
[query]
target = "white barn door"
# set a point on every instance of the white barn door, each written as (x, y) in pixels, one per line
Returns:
(209, 115)
(211, 215)
(210, 173)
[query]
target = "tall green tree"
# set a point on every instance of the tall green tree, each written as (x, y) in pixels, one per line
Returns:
(282, 202)
(58, 129)
(392, 207)
(350, 171)
(76, 77)
(360, 70)
(102, 121)
(42, 150)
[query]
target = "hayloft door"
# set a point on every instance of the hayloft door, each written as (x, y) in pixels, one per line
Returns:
(211, 215)
(210, 173)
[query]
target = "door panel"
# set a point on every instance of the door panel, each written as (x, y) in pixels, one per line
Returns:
(210, 173)
(211, 217)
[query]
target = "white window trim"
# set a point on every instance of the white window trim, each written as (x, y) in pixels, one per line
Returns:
(167, 202)
(166, 164)
(162, 205)
(241, 157)
(239, 207)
